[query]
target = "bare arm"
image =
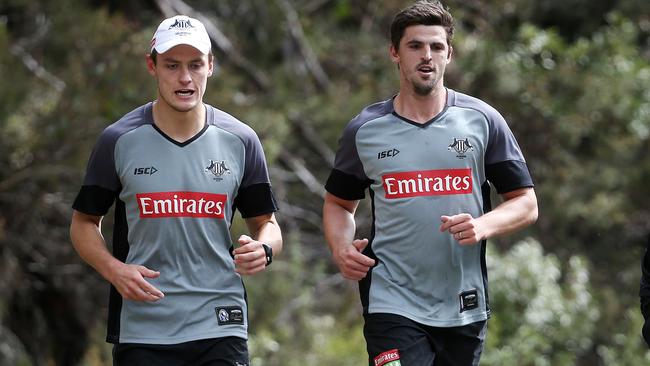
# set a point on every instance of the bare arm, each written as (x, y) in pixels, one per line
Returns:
(339, 227)
(250, 257)
(518, 210)
(87, 239)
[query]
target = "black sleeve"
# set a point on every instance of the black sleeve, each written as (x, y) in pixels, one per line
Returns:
(94, 200)
(346, 186)
(255, 200)
(644, 293)
(101, 183)
(509, 175)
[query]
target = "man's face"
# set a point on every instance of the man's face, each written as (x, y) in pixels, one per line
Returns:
(182, 73)
(422, 57)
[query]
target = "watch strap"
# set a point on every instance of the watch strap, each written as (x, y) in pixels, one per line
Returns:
(268, 252)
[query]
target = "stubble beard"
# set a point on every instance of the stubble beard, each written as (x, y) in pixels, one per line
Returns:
(423, 89)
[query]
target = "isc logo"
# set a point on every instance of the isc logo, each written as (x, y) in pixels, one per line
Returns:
(387, 153)
(145, 171)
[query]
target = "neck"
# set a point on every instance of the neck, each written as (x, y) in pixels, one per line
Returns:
(180, 126)
(420, 108)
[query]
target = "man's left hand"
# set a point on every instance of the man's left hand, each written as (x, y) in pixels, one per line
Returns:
(250, 257)
(462, 227)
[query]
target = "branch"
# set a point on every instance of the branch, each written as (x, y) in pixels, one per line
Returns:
(314, 6)
(305, 176)
(35, 173)
(314, 140)
(36, 68)
(297, 33)
(369, 18)
(170, 8)
(18, 50)
(299, 213)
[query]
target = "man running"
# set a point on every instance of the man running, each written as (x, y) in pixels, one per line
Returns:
(177, 169)
(428, 157)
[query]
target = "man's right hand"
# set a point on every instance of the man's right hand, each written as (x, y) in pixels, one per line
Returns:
(352, 264)
(129, 280)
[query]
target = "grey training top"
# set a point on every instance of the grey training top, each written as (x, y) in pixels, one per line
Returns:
(416, 173)
(175, 204)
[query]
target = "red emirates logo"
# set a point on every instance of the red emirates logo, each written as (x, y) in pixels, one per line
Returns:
(428, 183)
(387, 357)
(181, 204)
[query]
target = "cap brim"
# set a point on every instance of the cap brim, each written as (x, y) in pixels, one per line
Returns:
(166, 46)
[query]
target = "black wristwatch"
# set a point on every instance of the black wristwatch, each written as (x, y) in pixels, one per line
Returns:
(268, 252)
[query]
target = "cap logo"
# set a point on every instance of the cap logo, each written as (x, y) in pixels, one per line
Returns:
(182, 24)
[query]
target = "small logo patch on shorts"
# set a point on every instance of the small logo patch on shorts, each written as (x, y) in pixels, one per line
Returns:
(230, 315)
(468, 300)
(388, 358)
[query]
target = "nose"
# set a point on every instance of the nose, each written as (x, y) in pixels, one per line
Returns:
(427, 54)
(185, 76)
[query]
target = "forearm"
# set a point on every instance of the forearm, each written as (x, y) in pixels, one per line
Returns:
(517, 211)
(89, 243)
(339, 228)
(267, 230)
(338, 225)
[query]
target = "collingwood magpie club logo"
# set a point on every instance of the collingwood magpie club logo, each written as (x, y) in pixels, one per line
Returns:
(460, 146)
(223, 315)
(217, 168)
(181, 24)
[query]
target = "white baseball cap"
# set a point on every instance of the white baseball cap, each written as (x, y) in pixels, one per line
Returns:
(181, 29)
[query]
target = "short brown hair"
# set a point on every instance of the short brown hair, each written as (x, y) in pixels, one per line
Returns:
(422, 12)
(154, 56)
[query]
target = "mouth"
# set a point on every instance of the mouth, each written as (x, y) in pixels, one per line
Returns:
(425, 69)
(184, 92)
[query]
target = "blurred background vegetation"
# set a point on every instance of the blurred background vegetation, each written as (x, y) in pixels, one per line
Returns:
(571, 76)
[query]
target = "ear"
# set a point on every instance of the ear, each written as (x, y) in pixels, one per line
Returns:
(394, 56)
(151, 66)
(449, 54)
(210, 65)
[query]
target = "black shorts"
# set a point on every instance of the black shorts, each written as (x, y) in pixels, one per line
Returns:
(394, 340)
(226, 351)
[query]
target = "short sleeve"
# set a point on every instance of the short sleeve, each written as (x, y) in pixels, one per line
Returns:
(348, 179)
(255, 196)
(101, 184)
(505, 166)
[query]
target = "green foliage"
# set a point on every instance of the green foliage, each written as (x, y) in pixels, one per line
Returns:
(627, 346)
(543, 314)
(570, 77)
(581, 110)
(292, 322)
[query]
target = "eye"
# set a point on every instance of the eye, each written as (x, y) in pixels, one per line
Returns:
(172, 66)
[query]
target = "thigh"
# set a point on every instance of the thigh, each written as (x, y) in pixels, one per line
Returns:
(226, 351)
(136, 354)
(393, 340)
(459, 346)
